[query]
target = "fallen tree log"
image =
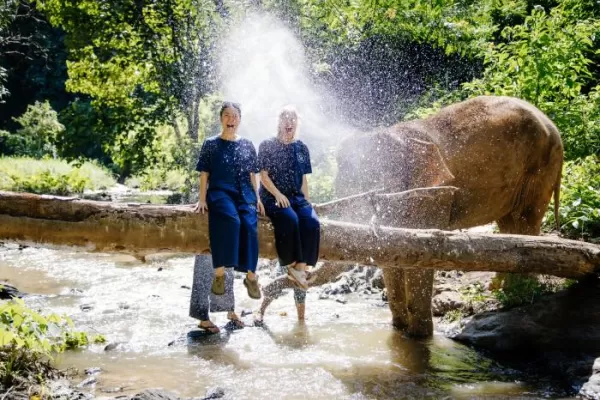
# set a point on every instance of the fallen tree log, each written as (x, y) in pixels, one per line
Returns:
(144, 229)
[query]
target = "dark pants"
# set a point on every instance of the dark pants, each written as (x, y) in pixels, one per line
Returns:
(203, 300)
(297, 231)
(232, 228)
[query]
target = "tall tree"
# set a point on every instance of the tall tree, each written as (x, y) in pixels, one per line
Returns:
(150, 59)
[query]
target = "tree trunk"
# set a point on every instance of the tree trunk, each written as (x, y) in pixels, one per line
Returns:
(144, 229)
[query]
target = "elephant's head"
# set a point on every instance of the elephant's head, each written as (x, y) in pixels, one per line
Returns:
(391, 161)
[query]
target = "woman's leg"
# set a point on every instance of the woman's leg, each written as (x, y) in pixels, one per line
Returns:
(199, 302)
(224, 232)
(310, 232)
(287, 236)
(248, 250)
(288, 245)
(300, 300)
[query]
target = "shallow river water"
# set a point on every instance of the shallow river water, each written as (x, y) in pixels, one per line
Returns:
(342, 351)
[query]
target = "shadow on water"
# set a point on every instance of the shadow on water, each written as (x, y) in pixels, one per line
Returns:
(213, 347)
(439, 368)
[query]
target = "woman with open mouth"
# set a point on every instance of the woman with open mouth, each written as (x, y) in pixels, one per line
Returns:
(229, 192)
(284, 162)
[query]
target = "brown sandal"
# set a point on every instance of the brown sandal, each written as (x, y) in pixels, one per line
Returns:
(253, 288)
(212, 328)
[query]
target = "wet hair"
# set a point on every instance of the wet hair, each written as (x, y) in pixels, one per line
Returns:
(230, 104)
(289, 109)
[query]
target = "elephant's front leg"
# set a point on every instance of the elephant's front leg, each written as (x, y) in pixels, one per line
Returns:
(419, 291)
(393, 279)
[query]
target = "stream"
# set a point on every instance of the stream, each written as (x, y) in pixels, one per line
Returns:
(342, 351)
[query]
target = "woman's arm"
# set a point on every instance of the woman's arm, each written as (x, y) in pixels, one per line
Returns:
(282, 201)
(255, 179)
(201, 206)
(304, 188)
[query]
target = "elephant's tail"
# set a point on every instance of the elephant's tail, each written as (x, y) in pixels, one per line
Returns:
(557, 198)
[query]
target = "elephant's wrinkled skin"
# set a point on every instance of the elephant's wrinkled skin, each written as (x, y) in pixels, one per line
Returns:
(503, 156)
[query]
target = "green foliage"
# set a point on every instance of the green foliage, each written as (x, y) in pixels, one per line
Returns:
(519, 289)
(146, 59)
(40, 128)
(579, 210)
(118, 138)
(546, 60)
(321, 182)
(454, 316)
(51, 176)
(473, 293)
(27, 337)
(172, 169)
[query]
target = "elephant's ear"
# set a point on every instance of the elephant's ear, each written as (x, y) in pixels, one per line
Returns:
(429, 168)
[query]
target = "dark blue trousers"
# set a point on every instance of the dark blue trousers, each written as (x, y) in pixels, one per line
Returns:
(233, 232)
(297, 231)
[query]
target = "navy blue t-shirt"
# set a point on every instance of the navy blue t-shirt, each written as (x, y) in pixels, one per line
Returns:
(229, 164)
(286, 164)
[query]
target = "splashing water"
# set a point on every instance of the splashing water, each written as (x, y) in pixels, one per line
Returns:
(264, 67)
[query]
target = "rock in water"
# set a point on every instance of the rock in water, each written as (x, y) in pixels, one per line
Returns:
(7, 291)
(558, 330)
(155, 394)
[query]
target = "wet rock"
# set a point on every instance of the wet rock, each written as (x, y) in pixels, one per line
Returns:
(8, 291)
(446, 301)
(566, 320)
(154, 394)
(591, 388)
(214, 393)
(341, 299)
(93, 370)
(160, 269)
(323, 296)
(559, 334)
(117, 389)
(384, 296)
(62, 389)
(112, 346)
(123, 306)
(377, 280)
(86, 307)
(87, 382)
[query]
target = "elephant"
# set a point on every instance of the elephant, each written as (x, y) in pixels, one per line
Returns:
(486, 159)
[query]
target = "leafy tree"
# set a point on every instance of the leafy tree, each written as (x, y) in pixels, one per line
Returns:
(34, 58)
(546, 61)
(39, 127)
(150, 60)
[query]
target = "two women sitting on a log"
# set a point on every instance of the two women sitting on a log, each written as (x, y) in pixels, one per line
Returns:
(230, 190)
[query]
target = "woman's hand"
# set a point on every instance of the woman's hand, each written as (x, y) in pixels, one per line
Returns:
(201, 207)
(260, 208)
(282, 201)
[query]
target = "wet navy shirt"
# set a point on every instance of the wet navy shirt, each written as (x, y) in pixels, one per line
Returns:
(286, 164)
(229, 164)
